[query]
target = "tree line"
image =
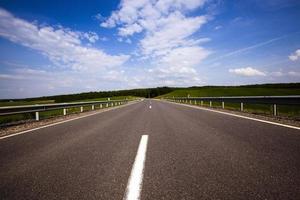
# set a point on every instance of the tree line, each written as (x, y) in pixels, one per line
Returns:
(145, 92)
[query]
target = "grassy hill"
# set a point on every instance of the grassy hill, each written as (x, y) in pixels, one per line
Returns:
(246, 90)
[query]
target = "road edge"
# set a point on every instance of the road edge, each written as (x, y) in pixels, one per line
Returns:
(235, 115)
(68, 120)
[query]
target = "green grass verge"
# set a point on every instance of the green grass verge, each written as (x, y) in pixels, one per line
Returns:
(291, 111)
(52, 113)
(251, 90)
(20, 103)
(231, 91)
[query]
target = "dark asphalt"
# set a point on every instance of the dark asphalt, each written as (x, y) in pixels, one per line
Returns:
(192, 154)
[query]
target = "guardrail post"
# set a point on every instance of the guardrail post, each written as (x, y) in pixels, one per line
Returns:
(37, 116)
(65, 111)
(100, 105)
(81, 109)
(210, 104)
(275, 109)
(201, 103)
(112, 104)
(195, 102)
(223, 104)
(242, 106)
(106, 105)
(190, 101)
(93, 107)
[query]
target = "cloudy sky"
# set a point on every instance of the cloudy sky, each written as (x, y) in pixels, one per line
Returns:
(55, 47)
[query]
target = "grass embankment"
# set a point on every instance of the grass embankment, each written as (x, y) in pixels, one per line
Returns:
(48, 114)
(251, 90)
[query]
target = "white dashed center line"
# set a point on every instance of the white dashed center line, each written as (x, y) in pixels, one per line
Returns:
(134, 185)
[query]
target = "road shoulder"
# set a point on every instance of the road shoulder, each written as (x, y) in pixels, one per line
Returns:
(265, 119)
(35, 125)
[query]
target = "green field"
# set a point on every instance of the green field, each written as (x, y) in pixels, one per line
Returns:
(206, 91)
(48, 114)
(233, 91)
(36, 102)
(255, 90)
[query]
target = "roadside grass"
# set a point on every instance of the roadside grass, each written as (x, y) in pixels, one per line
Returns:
(16, 118)
(22, 118)
(289, 111)
(21, 103)
(231, 91)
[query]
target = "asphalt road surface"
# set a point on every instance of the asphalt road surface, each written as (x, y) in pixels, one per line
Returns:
(188, 154)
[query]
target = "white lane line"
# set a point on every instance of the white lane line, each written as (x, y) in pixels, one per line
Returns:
(240, 116)
(68, 120)
(135, 182)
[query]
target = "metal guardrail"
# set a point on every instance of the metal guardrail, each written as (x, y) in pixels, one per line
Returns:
(271, 100)
(11, 110)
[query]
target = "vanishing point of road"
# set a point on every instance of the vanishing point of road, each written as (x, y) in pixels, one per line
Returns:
(165, 151)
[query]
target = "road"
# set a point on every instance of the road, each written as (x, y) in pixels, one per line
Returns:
(190, 154)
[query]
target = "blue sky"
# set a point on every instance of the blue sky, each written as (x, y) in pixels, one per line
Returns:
(58, 47)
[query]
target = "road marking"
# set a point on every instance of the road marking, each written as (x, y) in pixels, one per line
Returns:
(240, 116)
(150, 106)
(68, 120)
(135, 182)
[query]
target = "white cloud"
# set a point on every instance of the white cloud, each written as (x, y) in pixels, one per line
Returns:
(181, 62)
(130, 29)
(295, 56)
(91, 36)
(167, 40)
(37, 82)
(172, 32)
(132, 11)
(10, 77)
(247, 71)
(75, 66)
(61, 45)
(282, 73)
(293, 73)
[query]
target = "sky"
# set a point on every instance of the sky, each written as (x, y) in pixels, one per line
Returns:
(55, 47)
